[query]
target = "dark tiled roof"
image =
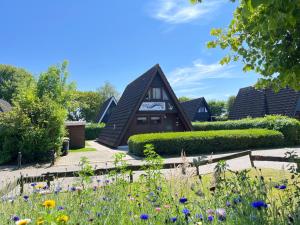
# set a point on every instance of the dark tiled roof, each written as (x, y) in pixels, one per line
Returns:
(191, 108)
(4, 106)
(110, 102)
(128, 105)
(257, 103)
(113, 130)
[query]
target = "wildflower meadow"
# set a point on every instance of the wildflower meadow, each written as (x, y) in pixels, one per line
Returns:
(227, 197)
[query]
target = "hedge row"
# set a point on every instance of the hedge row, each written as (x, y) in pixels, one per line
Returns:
(289, 127)
(206, 141)
(92, 130)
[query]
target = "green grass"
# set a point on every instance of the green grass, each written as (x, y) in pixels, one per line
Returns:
(87, 149)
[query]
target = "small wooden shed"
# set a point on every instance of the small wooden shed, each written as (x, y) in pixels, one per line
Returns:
(76, 133)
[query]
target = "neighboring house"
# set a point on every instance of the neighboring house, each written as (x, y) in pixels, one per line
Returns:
(4, 106)
(197, 110)
(106, 110)
(257, 103)
(147, 105)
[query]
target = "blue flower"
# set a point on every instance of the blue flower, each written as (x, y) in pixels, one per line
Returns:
(183, 200)
(144, 217)
(228, 204)
(186, 211)
(199, 216)
(210, 218)
(259, 204)
(237, 200)
(173, 219)
(60, 208)
(15, 218)
(73, 189)
(281, 187)
(33, 184)
(26, 197)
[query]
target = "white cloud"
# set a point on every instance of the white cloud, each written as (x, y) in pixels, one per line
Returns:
(193, 79)
(182, 11)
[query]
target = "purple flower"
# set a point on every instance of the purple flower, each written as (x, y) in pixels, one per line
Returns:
(259, 204)
(228, 204)
(60, 208)
(26, 197)
(15, 218)
(173, 219)
(210, 218)
(281, 187)
(144, 216)
(33, 184)
(73, 189)
(183, 200)
(221, 213)
(186, 211)
(199, 216)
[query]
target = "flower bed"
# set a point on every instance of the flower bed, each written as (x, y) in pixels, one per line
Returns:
(205, 141)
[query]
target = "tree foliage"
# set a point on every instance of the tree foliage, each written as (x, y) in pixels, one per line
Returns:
(36, 124)
(217, 108)
(90, 102)
(265, 36)
(11, 79)
(229, 103)
(184, 99)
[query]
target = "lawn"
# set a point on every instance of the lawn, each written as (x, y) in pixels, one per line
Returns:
(237, 198)
(87, 148)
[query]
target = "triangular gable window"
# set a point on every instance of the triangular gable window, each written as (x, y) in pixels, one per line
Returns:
(202, 109)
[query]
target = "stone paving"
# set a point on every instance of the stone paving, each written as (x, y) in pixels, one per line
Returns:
(103, 157)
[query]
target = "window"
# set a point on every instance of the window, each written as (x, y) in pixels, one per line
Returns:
(165, 96)
(155, 120)
(141, 120)
(156, 93)
(148, 96)
(202, 109)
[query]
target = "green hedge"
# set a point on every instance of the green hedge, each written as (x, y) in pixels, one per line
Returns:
(289, 127)
(92, 130)
(206, 141)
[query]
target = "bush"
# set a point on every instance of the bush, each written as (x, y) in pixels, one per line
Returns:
(92, 130)
(206, 142)
(289, 127)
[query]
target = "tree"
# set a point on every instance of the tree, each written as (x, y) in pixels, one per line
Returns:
(229, 103)
(184, 99)
(90, 102)
(265, 36)
(217, 108)
(36, 124)
(11, 79)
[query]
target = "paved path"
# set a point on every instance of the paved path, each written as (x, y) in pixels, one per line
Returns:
(103, 157)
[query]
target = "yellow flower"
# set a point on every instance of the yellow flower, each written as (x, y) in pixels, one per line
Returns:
(40, 221)
(49, 203)
(39, 186)
(199, 223)
(23, 222)
(63, 218)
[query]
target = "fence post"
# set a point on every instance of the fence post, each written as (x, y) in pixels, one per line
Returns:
(131, 177)
(19, 160)
(52, 152)
(47, 179)
(251, 159)
(21, 182)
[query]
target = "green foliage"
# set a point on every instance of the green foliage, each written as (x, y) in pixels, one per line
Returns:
(229, 103)
(184, 99)
(217, 108)
(289, 127)
(86, 172)
(90, 102)
(11, 79)
(92, 130)
(36, 124)
(265, 36)
(205, 142)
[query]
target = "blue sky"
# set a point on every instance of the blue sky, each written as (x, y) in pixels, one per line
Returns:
(116, 41)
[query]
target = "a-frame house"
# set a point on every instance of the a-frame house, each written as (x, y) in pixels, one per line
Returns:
(197, 109)
(148, 105)
(106, 110)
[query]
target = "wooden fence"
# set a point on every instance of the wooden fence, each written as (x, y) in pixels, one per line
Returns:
(49, 177)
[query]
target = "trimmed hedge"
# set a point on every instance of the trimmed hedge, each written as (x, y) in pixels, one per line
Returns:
(92, 130)
(289, 127)
(205, 141)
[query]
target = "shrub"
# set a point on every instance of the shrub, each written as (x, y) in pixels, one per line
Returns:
(92, 130)
(289, 127)
(206, 141)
